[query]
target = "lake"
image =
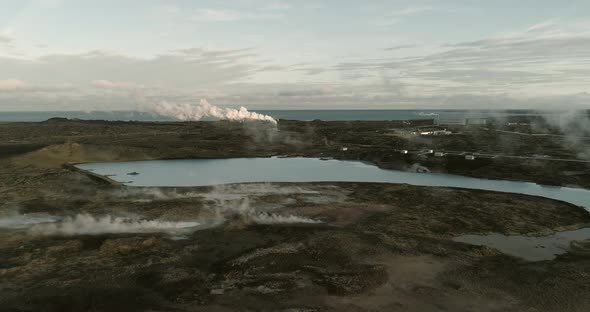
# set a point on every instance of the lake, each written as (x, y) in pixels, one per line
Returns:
(202, 172)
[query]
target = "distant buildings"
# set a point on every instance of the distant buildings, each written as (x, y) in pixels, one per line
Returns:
(451, 122)
(420, 131)
(436, 132)
(476, 121)
(514, 123)
(462, 122)
(401, 131)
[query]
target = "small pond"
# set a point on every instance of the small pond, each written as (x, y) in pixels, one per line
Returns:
(532, 248)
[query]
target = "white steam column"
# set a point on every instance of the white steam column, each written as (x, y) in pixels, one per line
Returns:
(186, 111)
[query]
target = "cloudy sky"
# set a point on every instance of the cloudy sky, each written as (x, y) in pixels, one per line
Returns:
(298, 54)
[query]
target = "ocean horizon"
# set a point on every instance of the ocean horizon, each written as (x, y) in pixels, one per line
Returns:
(307, 114)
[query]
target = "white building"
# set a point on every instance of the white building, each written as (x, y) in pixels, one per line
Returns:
(451, 122)
(477, 121)
(436, 132)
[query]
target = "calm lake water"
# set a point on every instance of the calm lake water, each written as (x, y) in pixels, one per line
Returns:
(239, 170)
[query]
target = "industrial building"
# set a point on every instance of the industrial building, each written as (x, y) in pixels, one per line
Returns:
(436, 132)
(452, 122)
(462, 122)
(476, 121)
(401, 131)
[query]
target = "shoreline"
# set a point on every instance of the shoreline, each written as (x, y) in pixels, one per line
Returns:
(126, 184)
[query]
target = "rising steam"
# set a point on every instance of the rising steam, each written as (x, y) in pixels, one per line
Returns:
(224, 204)
(185, 111)
(85, 224)
(227, 201)
(15, 221)
(272, 218)
(575, 127)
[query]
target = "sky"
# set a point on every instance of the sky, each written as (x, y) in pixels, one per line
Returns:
(300, 54)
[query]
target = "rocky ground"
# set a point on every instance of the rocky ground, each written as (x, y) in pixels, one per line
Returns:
(58, 141)
(285, 247)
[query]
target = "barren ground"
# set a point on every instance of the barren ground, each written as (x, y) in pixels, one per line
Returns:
(379, 247)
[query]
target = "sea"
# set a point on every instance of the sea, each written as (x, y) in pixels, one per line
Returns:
(326, 115)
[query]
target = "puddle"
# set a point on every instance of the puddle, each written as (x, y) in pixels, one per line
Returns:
(530, 248)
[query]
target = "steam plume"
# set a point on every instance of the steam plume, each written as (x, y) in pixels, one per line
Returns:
(185, 111)
(231, 200)
(85, 224)
(575, 126)
(271, 218)
(19, 221)
(225, 202)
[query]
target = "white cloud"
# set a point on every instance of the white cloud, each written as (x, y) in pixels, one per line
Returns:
(110, 85)
(397, 16)
(12, 85)
(541, 26)
(7, 44)
(50, 3)
(5, 39)
(386, 22)
(105, 84)
(182, 69)
(400, 47)
(223, 15)
(175, 14)
(411, 11)
(543, 60)
(276, 6)
(538, 66)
